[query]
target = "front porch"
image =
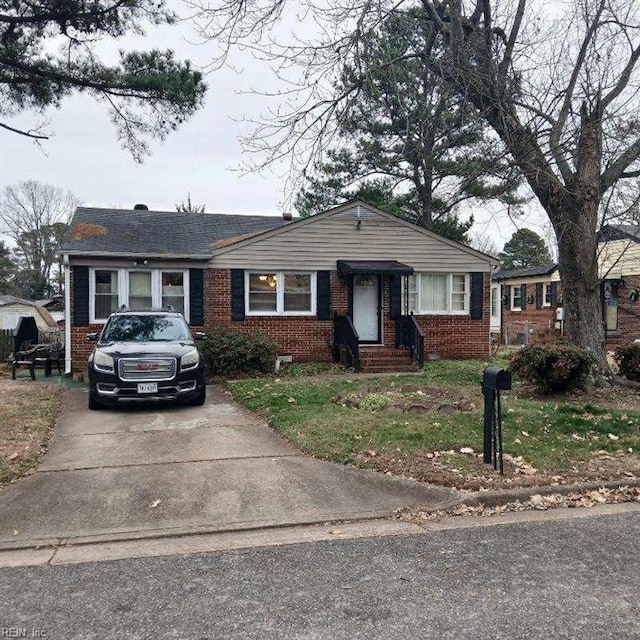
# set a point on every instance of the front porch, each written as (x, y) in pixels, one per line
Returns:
(377, 333)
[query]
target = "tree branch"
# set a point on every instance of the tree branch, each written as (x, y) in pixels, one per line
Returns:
(28, 134)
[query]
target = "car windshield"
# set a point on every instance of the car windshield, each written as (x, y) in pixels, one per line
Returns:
(145, 328)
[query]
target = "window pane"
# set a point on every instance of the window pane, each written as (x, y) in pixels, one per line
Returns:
(173, 290)
(412, 293)
(495, 309)
(547, 294)
(517, 298)
(140, 290)
(172, 283)
(263, 292)
(433, 292)
(458, 292)
(106, 293)
(297, 292)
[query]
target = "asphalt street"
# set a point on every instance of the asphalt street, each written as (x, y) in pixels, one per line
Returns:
(550, 579)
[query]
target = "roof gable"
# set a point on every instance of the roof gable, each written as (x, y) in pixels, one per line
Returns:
(358, 206)
(125, 232)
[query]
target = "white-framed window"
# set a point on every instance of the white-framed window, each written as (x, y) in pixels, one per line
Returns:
(280, 293)
(516, 298)
(546, 294)
(438, 293)
(110, 289)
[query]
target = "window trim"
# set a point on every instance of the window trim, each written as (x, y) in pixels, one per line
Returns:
(123, 288)
(280, 273)
(512, 306)
(546, 292)
(449, 311)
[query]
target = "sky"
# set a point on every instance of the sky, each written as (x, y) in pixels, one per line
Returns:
(202, 158)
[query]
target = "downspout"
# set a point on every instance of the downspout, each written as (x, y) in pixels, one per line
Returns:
(67, 314)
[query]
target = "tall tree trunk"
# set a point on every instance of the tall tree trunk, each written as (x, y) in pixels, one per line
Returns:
(577, 251)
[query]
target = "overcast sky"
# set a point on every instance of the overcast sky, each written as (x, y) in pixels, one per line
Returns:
(201, 158)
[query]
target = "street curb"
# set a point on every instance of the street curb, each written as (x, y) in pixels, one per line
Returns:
(504, 496)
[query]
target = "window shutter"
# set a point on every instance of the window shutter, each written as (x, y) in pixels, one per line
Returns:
(553, 293)
(323, 293)
(196, 297)
(477, 290)
(523, 296)
(539, 290)
(80, 296)
(237, 294)
(395, 297)
(506, 294)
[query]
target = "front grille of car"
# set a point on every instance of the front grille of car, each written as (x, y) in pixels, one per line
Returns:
(143, 369)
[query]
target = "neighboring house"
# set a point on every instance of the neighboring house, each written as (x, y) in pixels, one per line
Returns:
(13, 308)
(296, 281)
(531, 299)
(619, 267)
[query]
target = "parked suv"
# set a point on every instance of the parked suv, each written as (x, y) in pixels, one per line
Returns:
(145, 354)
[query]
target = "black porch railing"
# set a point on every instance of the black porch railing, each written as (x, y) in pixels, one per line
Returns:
(346, 337)
(409, 336)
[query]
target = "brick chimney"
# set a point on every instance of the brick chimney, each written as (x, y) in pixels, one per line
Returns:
(287, 216)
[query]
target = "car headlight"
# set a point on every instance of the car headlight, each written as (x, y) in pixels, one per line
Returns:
(102, 361)
(190, 360)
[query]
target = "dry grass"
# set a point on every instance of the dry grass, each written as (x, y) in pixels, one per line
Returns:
(28, 411)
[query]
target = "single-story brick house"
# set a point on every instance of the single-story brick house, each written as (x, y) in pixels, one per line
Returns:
(353, 277)
(532, 298)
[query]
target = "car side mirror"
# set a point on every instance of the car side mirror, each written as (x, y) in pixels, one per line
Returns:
(91, 337)
(199, 335)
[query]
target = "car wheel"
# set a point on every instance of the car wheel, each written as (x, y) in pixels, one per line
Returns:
(94, 405)
(199, 400)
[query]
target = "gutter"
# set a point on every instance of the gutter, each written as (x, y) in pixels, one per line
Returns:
(67, 314)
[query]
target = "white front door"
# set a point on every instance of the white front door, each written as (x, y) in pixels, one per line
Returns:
(366, 307)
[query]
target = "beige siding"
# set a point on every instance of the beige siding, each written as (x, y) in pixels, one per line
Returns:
(319, 243)
(21, 310)
(619, 258)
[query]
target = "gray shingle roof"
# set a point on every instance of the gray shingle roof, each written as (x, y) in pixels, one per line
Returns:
(523, 273)
(157, 233)
(619, 232)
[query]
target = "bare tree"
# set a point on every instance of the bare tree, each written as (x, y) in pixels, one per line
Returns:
(35, 217)
(558, 83)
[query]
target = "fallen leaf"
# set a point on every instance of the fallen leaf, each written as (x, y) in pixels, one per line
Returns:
(467, 450)
(154, 504)
(13, 456)
(15, 532)
(525, 433)
(612, 436)
(335, 532)
(291, 400)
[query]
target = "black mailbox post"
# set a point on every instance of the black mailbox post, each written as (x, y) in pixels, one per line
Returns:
(494, 380)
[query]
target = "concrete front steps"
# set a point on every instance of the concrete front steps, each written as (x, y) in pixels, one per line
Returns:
(385, 360)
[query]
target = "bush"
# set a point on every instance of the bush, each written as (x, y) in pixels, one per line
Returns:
(627, 357)
(553, 367)
(230, 353)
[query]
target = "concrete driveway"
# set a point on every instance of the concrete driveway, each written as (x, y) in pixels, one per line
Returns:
(162, 470)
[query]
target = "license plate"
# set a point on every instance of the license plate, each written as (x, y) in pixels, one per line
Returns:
(147, 387)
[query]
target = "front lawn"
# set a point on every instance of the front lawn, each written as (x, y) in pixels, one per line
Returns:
(429, 427)
(28, 411)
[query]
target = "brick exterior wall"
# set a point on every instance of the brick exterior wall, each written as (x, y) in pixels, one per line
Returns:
(539, 323)
(628, 314)
(310, 340)
(454, 336)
